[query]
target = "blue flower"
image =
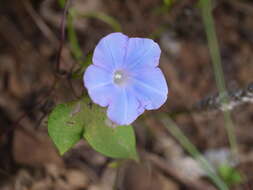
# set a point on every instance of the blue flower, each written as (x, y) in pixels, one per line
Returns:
(124, 76)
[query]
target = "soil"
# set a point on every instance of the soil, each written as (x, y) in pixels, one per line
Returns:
(32, 83)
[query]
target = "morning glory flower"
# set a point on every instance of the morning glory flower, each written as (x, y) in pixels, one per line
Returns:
(125, 77)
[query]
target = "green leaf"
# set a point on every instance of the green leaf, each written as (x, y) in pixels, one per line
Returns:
(116, 142)
(65, 125)
(111, 21)
(61, 3)
(168, 3)
(230, 175)
(70, 122)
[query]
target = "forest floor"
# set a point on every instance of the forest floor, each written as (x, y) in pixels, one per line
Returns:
(30, 87)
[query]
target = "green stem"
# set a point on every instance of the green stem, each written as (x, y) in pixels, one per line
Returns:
(115, 25)
(206, 10)
(189, 147)
(72, 37)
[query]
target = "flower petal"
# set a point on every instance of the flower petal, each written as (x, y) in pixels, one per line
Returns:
(142, 52)
(110, 51)
(99, 84)
(150, 87)
(125, 108)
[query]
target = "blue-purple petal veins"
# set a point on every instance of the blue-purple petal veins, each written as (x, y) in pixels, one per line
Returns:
(125, 77)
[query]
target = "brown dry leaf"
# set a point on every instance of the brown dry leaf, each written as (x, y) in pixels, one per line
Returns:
(77, 179)
(134, 176)
(34, 149)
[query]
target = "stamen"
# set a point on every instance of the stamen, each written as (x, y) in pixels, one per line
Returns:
(117, 76)
(120, 77)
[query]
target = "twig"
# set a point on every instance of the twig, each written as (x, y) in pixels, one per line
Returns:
(41, 24)
(236, 98)
(58, 61)
(71, 85)
(213, 103)
(16, 123)
(241, 6)
(165, 167)
(62, 36)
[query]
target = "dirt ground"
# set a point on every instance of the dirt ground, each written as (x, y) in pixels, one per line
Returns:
(30, 86)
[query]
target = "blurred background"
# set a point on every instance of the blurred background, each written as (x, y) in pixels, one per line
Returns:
(32, 83)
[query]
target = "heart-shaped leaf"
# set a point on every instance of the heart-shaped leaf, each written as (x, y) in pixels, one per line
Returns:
(108, 139)
(66, 125)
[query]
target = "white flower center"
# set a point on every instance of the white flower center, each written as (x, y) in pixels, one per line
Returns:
(120, 77)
